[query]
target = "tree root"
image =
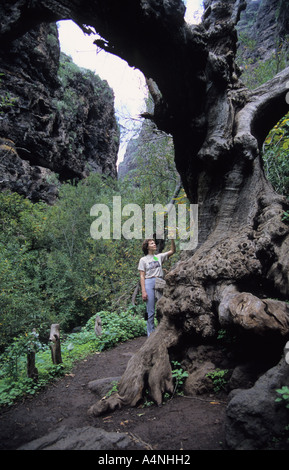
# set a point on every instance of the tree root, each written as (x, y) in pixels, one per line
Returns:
(149, 369)
(205, 292)
(251, 313)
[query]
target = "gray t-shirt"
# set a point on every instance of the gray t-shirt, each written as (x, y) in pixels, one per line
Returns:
(152, 265)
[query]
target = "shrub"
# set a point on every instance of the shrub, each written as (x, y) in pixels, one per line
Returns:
(179, 375)
(116, 327)
(283, 397)
(219, 378)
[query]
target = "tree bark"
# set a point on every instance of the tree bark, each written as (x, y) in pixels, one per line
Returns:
(149, 369)
(218, 128)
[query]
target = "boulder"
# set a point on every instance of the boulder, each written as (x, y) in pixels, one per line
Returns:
(253, 417)
(197, 381)
(102, 386)
(85, 438)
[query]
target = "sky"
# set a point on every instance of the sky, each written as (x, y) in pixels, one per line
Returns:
(127, 83)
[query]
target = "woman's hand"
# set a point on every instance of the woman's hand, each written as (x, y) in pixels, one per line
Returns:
(144, 296)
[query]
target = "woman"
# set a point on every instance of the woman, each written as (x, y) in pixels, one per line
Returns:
(150, 268)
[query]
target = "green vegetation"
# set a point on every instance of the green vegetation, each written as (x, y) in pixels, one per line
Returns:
(256, 72)
(276, 148)
(283, 396)
(70, 75)
(13, 379)
(179, 375)
(285, 217)
(53, 271)
(155, 169)
(283, 399)
(219, 378)
(6, 100)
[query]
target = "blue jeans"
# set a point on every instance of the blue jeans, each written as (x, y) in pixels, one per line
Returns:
(153, 296)
(150, 290)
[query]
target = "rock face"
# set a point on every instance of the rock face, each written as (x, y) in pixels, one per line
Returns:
(265, 22)
(253, 416)
(54, 118)
(140, 149)
(129, 162)
(136, 148)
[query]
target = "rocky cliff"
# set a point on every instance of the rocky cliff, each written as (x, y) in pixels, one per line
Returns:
(150, 141)
(136, 149)
(263, 29)
(57, 122)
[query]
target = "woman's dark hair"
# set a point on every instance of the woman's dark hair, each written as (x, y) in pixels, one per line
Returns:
(145, 245)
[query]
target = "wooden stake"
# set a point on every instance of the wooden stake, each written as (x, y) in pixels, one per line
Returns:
(55, 347)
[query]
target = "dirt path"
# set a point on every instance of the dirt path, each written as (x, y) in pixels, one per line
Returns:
(182, 423)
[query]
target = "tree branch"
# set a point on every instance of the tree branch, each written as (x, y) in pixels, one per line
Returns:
(154, 90)
(265, 107)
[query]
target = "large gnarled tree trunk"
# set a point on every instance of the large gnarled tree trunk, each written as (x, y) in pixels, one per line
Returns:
(218, 128)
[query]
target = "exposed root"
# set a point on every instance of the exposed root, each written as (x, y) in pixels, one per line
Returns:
(206, 291)
(149, 369)
(251, 313)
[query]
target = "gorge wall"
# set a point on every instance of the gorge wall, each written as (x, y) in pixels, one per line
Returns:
(57, 122)
(263, 29)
